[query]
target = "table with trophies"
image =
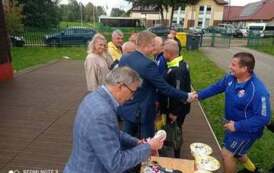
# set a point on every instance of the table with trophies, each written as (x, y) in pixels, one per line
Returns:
(202, 163)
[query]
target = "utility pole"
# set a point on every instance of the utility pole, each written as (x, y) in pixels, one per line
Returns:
(94, 15)
(81, 12)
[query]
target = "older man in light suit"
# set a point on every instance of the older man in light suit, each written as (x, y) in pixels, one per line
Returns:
(97, 141)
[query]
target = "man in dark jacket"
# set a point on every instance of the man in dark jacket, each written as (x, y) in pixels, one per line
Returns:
(178, 76)
(139, 113)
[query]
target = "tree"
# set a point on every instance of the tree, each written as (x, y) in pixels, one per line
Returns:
(192, 3)
(162, 5)
(89, 12)
(40, 13)
(64, 12)
(13, 17)
(6, 71)
(116, 12)
(100, 11)
(179, 3)
(73, 10)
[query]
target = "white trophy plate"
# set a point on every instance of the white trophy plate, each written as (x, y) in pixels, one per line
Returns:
(208, 163)
(200, 149)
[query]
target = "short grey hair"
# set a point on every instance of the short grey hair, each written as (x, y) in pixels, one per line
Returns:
(172, 46)
(117, 32)
(124, 75)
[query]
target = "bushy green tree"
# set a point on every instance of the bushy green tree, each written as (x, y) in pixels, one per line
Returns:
(13, 17)
(99, 11)
(116, 12)
(40, 13)
(73, 10)
(90, 12)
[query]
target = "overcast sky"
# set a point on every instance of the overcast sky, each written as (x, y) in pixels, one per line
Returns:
(125, 5)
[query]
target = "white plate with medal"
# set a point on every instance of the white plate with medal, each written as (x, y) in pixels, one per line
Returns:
(200, 149)
(208, 163)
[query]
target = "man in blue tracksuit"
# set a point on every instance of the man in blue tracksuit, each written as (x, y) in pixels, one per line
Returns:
(247, 110)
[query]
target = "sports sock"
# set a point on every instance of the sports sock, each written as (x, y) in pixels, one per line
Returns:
(249, 165)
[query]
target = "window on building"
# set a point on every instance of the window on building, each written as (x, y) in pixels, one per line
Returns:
(200, 22)
(204, 16)
(208, 10)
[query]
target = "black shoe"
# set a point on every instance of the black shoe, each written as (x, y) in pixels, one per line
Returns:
(247, 171)
(271, 126)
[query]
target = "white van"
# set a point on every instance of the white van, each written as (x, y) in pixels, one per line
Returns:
(263, 29)
(256, 28)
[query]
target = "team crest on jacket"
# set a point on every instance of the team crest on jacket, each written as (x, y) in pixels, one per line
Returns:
(241, 93)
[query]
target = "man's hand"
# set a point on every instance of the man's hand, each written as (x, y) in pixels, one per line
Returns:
(141, 141)
(155, 143)
(192, 96)
(230, 126)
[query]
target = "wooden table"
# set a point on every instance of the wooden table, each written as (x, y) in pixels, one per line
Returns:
(186, 166)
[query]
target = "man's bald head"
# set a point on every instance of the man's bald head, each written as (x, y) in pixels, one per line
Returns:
(171, 49)
(128, 47)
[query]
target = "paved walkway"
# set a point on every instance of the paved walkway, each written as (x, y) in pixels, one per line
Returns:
(263, 68)
(37, 112)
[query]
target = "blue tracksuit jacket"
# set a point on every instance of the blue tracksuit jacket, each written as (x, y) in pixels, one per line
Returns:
(248, 104)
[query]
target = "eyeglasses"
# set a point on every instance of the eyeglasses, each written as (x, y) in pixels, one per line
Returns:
(131, 90)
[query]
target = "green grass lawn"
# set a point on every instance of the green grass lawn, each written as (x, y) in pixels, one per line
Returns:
(30, 56)
(266, 49)
(205, 72)
(265, 45)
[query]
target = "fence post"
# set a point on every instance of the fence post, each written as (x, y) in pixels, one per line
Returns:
(213, 39)
(229, 40)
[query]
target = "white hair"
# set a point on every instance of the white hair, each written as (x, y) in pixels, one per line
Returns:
(123, 75)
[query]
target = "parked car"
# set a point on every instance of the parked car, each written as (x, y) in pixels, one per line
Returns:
(196, 30)
(17, 41)
(178, 27)
(159, 30)
(239, 33)
(71, 35)
(226, 29)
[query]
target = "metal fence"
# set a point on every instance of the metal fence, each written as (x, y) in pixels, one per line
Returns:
(255, 41)
(225, 41)
(215, 40)
(38, 36)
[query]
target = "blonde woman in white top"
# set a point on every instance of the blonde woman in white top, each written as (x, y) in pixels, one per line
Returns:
(97, 62)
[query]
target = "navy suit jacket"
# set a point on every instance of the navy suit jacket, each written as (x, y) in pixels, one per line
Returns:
(142, 108)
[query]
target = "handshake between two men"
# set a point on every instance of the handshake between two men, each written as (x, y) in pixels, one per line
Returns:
(192, 96)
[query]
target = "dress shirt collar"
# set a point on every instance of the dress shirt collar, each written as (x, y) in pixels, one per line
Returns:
(114, 101)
